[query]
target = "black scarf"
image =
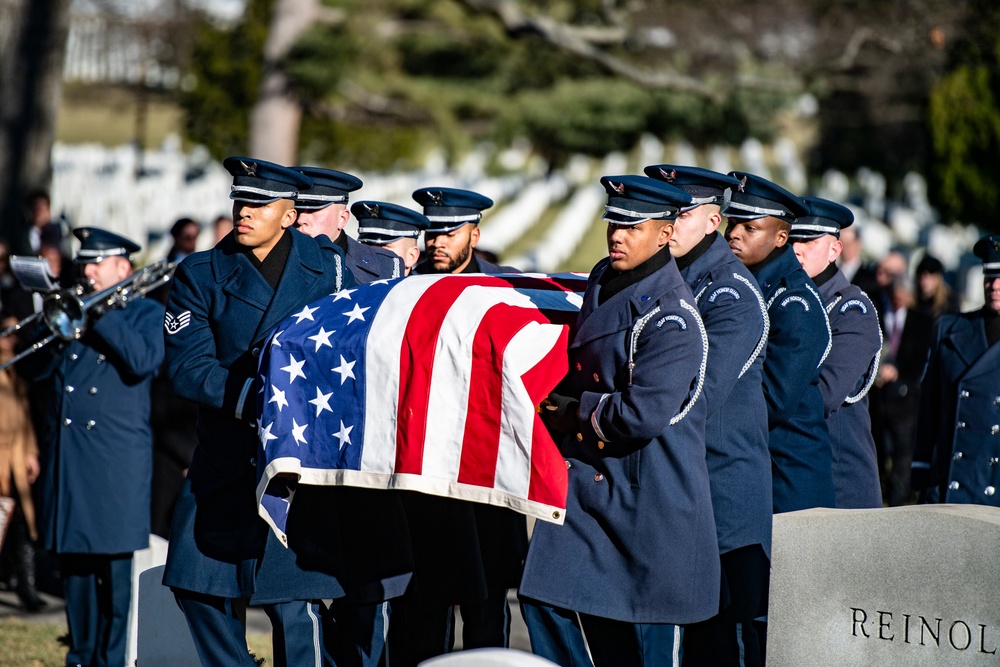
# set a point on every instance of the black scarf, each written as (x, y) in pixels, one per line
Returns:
(696, 252)
(612, 282)
(272, 266)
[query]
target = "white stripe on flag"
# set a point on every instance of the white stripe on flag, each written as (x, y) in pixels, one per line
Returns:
(528, 347)
(385, 340)
(448, 401)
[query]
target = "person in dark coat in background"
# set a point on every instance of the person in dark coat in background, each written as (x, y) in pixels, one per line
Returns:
(223, 305)
(638, 549)
(96, 471)
(760, 216)
(852, 365)
(853, 266)
(323, 211)
(957, 457)
(739, 464)
(896, 395)
(465, 554)
(934, 296)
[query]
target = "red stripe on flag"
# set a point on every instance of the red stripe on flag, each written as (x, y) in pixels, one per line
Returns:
(481, 440)
(549, 480)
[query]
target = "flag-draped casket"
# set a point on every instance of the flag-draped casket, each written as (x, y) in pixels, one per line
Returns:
(428, 383)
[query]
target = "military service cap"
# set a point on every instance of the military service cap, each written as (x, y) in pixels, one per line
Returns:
(380, 222)
(447, 209)
(96, 244)
(263, 182)
(635, 199)
(755, 197)
(988, 250)
(329, 187)
(822, 217)
(704, 185)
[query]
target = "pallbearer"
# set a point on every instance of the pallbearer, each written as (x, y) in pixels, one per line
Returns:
(454, 231)
(851, 366)
(639, 547)
(391, 227)
(760, 217)
(739, 464)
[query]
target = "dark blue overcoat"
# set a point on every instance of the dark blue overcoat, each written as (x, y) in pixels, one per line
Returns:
(848, 374)
(97, 472)
(219, 312)
(957, 456)
(739, 464)
(370, 263)
(639, 542)
(797, 346)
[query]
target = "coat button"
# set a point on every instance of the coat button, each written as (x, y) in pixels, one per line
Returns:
(600, 444)
(953, 486)
(989, 490)
(74, 356)
(994, 460)
(996, 400)
(91, 424)
(67, 421)
(994, 429)
(960, 425)
(92, 391)
(101, 358)
(253, 462)
(964, 393)
(579, 366)
(255, 352)
(579, 437)
(568, 465)
(69, 389)
(957, 456)
(597, 378)
(598, 477)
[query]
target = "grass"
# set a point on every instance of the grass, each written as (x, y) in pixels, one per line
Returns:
(107, 115)
(44, 645)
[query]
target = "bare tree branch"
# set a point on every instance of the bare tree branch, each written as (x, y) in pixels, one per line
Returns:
(858, 40)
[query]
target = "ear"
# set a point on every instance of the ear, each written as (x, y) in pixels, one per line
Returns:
(289, 217)
(412, 257)
(781, 237)
(666, 231)
(836, 248)
(474, 236)
(713, 222)
(343, 216)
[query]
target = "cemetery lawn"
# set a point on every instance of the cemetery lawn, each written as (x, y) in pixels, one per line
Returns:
(41, 645)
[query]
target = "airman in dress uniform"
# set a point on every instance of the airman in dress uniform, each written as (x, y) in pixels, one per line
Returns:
(852, 365)
(639, 546)
(465, 554)
(760, 216)
(739, 464)
(223, 305)
(323, 210)
(391, 227)
(97, 475)
(957, 457)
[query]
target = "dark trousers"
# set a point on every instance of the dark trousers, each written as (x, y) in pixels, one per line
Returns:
(359, 633)
(486, 624)
(731, 638)
(218, 628)
(555, 634)
(298, 633)
(98, 592)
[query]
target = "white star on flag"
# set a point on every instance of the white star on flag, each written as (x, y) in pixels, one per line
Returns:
(305, 314)
(344, 434)
(346, 369)
(343, 294)
(298, 432)
(266, 435)
(274, 339)
(322, 338)
(384, 281)
(357, 314)
(322, 402)
(294, 369)
(278, 397)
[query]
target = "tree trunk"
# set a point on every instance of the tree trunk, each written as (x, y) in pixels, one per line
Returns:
(274, 123)
(33, 37)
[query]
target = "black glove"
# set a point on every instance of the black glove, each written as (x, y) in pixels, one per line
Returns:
(559, 413)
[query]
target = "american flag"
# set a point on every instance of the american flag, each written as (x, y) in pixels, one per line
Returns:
(425, 383)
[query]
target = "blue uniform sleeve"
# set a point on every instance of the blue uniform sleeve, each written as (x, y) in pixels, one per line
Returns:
(796, 345)
(192, 365)
(670, 356)
(735, 319)
(133, 334)
(857, 338)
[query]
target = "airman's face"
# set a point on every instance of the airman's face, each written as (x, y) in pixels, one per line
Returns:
(259, 226)
(691, 227)
(107, 272)
(816, 254)
(450, 252)
(991, 290)
(631, 245)
(326, 221)
(753, 240)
